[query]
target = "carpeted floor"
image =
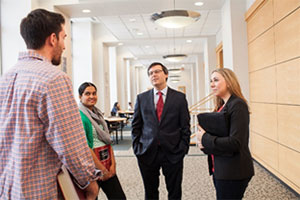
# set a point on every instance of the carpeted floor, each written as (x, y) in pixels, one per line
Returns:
(197, 184)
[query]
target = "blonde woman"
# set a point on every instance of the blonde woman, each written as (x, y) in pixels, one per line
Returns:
(229, 157)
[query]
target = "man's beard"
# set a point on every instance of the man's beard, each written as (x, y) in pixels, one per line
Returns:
(55, 61)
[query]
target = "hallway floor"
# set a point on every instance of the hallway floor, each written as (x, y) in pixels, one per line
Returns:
(197, 184)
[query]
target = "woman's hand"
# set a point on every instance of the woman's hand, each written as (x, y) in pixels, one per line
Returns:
(200, 134)
(105, 175)
(112, 170)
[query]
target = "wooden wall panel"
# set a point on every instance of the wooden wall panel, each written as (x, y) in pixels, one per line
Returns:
(289, 126)
(261, 51)
(288, 82)
(287, 38)
(274, 83)
(289, 165)
(263, 117)
(266, 150)
(263, 85)
(260, 21)
(283, 8)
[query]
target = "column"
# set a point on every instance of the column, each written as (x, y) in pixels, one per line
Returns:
(234, 35)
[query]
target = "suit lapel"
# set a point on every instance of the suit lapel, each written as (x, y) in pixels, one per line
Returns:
(151, 103)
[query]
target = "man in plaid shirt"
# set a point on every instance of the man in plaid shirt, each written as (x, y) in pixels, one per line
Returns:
(40, 125)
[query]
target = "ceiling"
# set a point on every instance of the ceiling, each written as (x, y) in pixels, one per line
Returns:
(129, 22)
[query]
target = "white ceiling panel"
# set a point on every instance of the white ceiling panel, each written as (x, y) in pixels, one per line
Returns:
(111, 20)
(130, 22)
(123, 36)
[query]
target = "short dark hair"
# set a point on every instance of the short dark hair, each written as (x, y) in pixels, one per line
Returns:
(38, 25)
(164, 68)
(83, 86)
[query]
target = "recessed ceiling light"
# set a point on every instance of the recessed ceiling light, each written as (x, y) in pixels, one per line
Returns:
(199, 3)
(140, 33)
(120, 43)
(86, 11)
(147, 46)
(188, 41)
(132, 20)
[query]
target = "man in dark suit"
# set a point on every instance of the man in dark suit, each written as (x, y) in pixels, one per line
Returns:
(161, 134)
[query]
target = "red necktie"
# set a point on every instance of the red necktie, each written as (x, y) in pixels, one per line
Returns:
(159, 106)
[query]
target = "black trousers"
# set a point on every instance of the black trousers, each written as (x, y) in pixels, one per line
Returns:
(230, 189)
(151, 173)
(112, 188)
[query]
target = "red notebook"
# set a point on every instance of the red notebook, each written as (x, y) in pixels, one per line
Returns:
(103, 154)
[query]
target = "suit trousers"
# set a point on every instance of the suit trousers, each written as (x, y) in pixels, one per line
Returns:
(230, 189)
(172, 172)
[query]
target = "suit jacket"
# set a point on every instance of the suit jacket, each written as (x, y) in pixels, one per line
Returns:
(232, 158)
(171, 133)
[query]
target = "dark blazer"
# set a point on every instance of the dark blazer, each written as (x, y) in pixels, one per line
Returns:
(232, 158)
(171, 133)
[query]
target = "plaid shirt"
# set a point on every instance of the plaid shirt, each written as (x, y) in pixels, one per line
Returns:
(40, 129)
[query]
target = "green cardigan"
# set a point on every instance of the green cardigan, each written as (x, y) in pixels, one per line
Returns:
(87, 125)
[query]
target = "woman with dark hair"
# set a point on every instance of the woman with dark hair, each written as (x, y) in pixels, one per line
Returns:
(99, 141)
(229, 157)
(116, 109)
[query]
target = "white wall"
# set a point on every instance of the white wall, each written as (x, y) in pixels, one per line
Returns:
(128, 77)
(194, 85)
(106, 79)
(122, 56)
(219, 37)
(144, 82)
(200, 78)
(240, 45)
(227, 34)
(210, 62)
(249, 3)
(113, 75)
(82, 54)
(235, 46)
(11, 40)
(101, 66)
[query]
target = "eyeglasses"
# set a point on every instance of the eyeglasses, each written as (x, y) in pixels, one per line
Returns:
(154, 72)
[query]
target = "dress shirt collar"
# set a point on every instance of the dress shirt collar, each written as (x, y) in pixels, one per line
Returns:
(163, 91)
(32, 55)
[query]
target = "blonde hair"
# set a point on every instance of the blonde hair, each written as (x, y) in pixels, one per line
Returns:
(232, 85)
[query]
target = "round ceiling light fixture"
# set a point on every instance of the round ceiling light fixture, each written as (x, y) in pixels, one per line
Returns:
(175, 18)
(175, 80)
(174, 57)
(175, 70)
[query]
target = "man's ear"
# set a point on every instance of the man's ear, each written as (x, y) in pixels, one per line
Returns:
(52, 39)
